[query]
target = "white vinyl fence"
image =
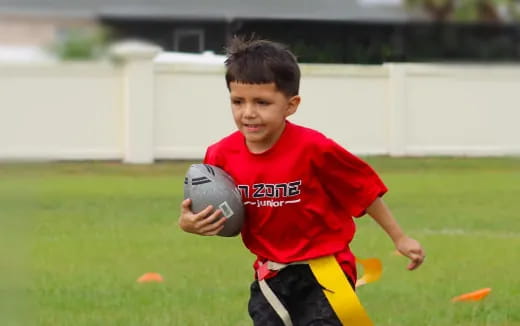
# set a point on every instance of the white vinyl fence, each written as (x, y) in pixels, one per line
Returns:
(147, 107)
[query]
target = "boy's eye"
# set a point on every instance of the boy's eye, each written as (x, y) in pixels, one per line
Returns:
(236, 102)
(261, 102)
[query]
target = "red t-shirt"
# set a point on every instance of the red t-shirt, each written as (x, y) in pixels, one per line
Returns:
(299, 196)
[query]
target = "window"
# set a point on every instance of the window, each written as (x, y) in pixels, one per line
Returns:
(188, 40)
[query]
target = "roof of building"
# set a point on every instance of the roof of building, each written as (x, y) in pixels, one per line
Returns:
(328, 10)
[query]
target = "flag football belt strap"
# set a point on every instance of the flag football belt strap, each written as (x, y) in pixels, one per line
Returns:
(336, 288)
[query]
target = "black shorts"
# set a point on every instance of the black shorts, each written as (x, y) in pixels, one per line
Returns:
(301, 295)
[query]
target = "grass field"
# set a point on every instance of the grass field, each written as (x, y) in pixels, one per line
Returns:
(74, 237)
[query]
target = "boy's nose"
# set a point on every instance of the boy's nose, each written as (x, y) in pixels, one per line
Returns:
(250, 110)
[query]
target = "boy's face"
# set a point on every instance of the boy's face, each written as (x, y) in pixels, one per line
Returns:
(259, 111)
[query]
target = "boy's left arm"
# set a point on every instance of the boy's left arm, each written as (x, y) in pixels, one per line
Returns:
(409, 247)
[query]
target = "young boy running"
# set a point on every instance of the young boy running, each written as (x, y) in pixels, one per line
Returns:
(300, 189)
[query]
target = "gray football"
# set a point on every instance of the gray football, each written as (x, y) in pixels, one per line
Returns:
(207, 185)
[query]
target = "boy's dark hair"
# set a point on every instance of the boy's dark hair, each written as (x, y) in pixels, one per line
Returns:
(262, 62)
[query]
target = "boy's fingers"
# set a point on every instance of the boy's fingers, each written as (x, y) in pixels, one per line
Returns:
(206, 212)
(213, 228)
(185, 204)
(412, 266)
(213, 224)
(417, 260)
(214, 231)
(214, 217)
(204, 219)
(220, 221)
(203, 214)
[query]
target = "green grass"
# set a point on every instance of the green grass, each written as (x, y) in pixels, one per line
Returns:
(74, 237)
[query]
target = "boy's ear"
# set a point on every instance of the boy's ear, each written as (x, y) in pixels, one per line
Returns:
(292, 105)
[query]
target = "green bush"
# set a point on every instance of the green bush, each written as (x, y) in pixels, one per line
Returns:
(82, 44)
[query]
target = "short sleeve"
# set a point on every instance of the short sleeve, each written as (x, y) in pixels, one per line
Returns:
(348, 180)
(212, 156)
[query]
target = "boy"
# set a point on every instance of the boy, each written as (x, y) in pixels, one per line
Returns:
(300, 190)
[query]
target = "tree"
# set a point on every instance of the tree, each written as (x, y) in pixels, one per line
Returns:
(482, 11)
(82, 44)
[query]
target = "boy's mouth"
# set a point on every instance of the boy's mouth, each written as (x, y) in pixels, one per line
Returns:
(251, 127)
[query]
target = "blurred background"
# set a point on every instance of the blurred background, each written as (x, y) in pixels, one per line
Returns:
(105, 103)
(118, 79)
(329, 31)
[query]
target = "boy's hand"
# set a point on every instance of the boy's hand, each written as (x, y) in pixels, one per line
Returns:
(202, 223)
(412, 249)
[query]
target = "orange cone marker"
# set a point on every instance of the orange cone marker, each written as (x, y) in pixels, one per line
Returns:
(472, 296)
(150, 277)
(372, 270)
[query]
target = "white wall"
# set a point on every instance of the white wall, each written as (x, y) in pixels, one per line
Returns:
(103, 111)
(348, 104)
(470, 110)
(65, 111)
(192, 110)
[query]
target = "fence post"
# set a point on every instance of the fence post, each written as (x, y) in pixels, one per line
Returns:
(397, 110)
(138, 99)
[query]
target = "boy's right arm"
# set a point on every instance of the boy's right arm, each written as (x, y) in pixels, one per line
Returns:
(202, 223)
